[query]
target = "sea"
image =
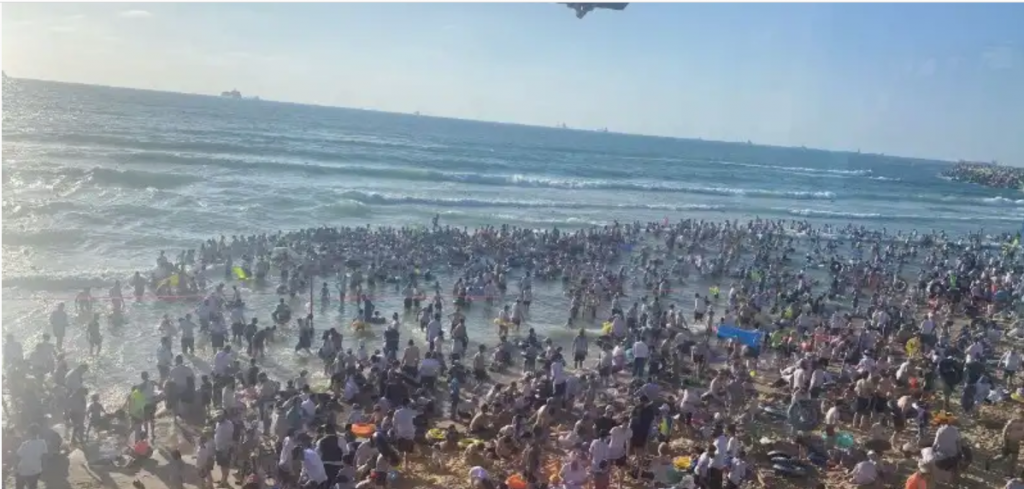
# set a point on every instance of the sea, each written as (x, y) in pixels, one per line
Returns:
(98, 180)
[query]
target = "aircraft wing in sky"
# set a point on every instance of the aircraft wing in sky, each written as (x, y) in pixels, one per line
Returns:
(583, 9)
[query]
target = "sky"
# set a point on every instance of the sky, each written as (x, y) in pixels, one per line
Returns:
(931, 80)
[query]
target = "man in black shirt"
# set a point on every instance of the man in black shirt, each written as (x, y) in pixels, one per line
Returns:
(641, 421)
(604, 424)
(951, 371)
(331, 452)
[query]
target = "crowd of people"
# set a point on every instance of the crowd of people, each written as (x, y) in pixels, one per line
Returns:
(987, 174)
(810, 355)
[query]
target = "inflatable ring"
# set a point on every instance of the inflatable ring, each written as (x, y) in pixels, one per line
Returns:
(774, 412)
(436, 434)
(935, 289)
(516, 481)
(682, 464)
(901, 285)
(789, 470)
(465, 442)
(913, 346)
(802, 416)
(363, 430)
(606, 328)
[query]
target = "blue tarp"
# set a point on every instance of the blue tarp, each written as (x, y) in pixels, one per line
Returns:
(749, 338)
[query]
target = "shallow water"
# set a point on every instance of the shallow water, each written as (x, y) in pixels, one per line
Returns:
(97, 180)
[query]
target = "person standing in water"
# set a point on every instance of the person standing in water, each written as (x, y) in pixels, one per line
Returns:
(83, 302)
(94, 336)
(188, 332)
(139, 284)
(59, 324)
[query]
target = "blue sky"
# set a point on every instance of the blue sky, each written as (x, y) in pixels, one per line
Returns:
(943, 81)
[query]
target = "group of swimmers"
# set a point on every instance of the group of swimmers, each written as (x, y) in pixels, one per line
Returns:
(852, 332)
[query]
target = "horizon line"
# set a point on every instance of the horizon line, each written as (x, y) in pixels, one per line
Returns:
(603, 130)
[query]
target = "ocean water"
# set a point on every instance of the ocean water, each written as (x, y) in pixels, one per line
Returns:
(96, 181)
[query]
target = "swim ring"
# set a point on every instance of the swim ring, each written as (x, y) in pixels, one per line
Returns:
(515, 481)
(682, 463)
(436, 434)
(363, 430)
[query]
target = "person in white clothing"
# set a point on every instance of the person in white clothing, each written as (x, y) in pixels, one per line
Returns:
(865, 473)
(313, 467)
(223, 443)
(1011, 363)
(640, 354)
(737, 471)
(618, 437)
(222, 361)
(30, 459)
(573, 475)
(405, 428)
(599, 451)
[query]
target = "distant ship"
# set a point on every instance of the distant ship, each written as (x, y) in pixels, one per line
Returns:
(232, 94)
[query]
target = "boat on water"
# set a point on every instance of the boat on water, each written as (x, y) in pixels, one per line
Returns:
(232, 94)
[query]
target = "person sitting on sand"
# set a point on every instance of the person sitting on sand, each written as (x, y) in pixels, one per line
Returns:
(481, 423)
(573, 475)
(947, 446)
(573, 438)
(867, 473)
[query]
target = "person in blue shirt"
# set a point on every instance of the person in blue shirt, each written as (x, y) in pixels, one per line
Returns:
(453, 393)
